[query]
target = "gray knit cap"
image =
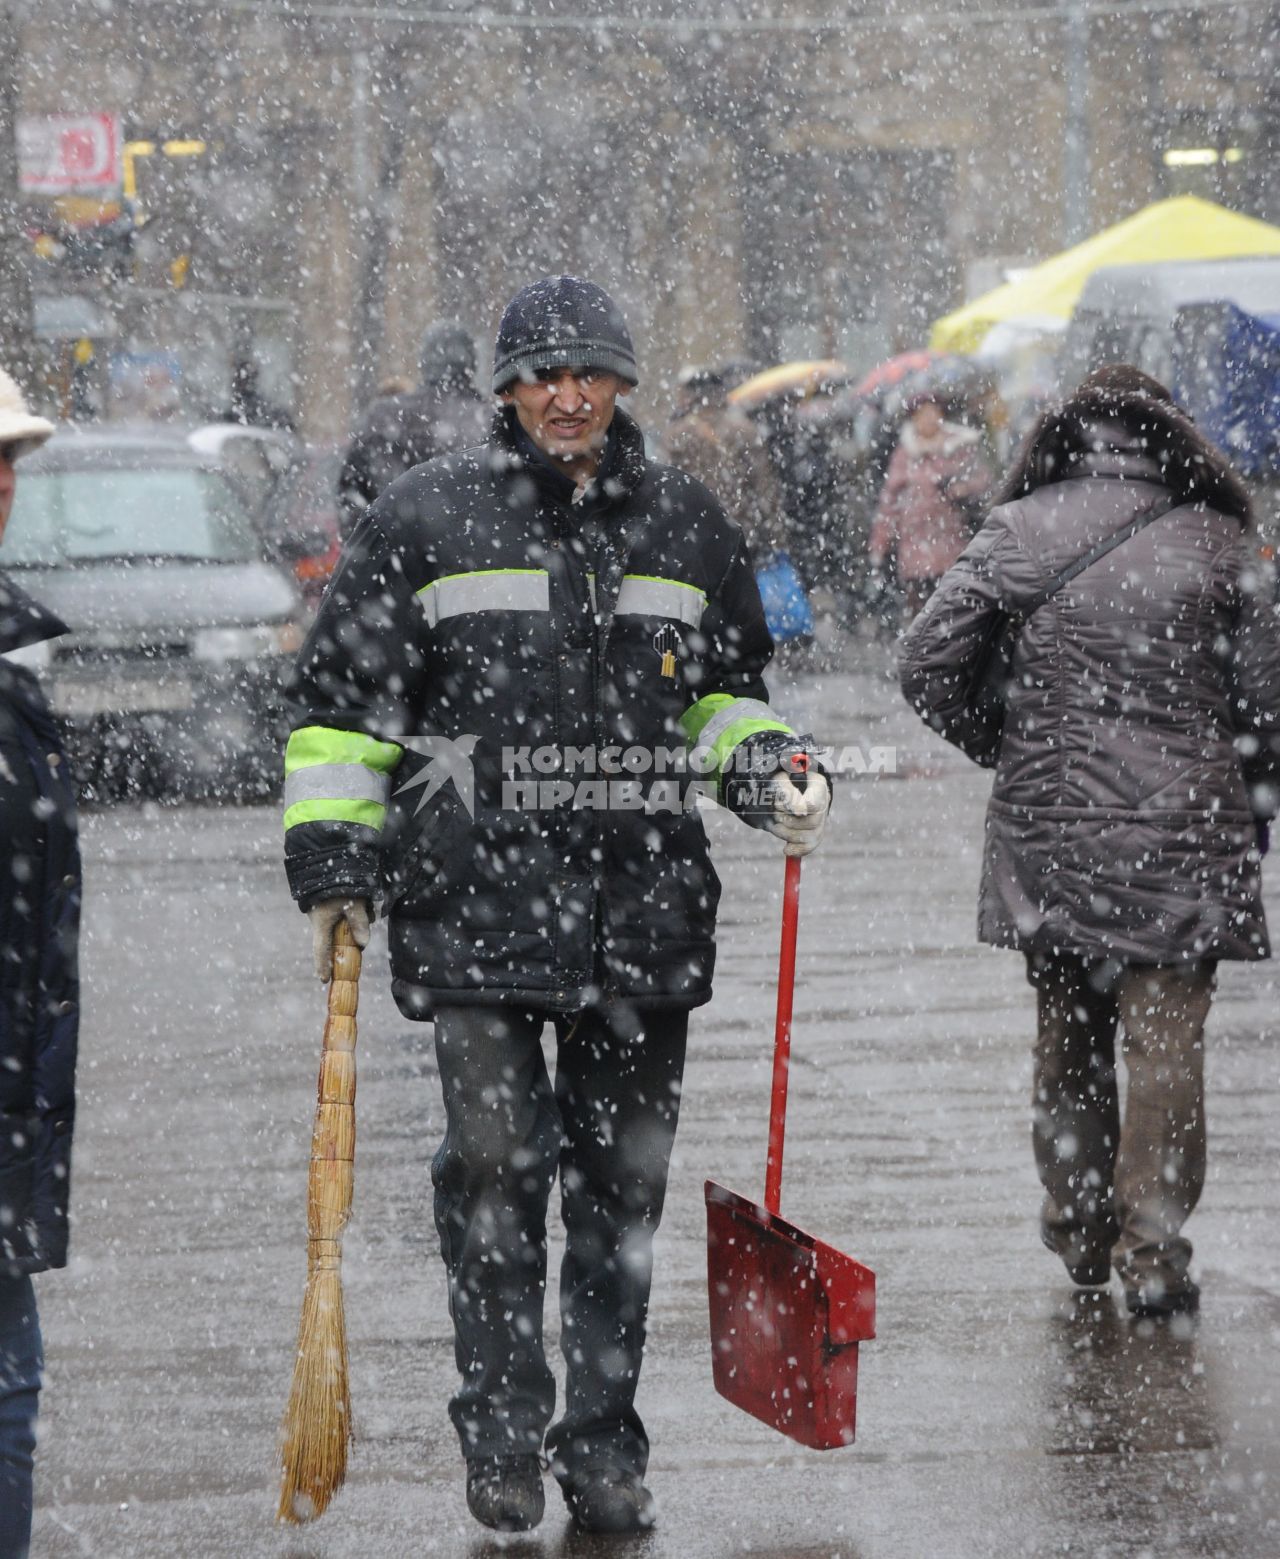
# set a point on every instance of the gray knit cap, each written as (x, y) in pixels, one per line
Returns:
(562, 322)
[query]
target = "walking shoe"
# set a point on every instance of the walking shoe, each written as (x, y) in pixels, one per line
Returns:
(505, 1492)
(1088, 1262)
(607, 1499)
(1153, 1300)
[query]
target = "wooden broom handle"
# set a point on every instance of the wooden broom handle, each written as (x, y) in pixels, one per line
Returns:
(333, 1142)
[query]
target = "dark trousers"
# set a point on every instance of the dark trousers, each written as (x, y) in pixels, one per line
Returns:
(606, 1126)
(1123, 1188)
(21, 1366)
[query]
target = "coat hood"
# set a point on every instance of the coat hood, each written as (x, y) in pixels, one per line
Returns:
(1115, 414)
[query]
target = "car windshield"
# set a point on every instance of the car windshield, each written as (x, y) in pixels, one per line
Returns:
(104, 515)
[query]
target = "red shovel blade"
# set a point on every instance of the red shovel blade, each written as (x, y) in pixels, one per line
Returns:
(787, 1314)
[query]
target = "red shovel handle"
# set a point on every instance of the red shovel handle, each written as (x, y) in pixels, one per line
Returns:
(782, 1034)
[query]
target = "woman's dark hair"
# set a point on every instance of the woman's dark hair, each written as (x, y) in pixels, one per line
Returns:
(1190, 465)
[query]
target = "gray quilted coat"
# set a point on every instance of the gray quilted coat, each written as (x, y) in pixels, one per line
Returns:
(1140, 743)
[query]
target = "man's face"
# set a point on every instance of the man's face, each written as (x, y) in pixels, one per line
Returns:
(8, 483)
(567, 411)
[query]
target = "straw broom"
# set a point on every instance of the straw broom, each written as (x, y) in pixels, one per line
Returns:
(317, 1422)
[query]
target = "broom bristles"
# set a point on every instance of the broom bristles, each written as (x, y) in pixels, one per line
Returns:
(317, 1421)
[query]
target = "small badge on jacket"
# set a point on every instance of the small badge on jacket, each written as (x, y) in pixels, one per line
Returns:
(666, 642)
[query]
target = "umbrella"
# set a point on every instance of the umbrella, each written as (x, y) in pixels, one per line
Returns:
(886, 374)
(799, 379)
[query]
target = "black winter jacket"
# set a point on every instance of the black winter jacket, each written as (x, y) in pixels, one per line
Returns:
(39, 990)
(478, 604)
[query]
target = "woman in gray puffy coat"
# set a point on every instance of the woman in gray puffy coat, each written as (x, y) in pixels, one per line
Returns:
(1135, 773)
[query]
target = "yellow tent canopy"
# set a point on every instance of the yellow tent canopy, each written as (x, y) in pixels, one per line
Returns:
(1182, 228)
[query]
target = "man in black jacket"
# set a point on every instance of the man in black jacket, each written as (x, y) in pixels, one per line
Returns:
(397, 432)
(39, 999)
(528, 654)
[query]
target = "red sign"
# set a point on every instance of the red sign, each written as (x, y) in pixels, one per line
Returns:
(67, 154)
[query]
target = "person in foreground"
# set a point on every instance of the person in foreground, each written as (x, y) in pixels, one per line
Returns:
(518, 641)
(1135, 774)
(39, 995)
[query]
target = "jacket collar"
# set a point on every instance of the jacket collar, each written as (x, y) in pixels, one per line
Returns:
(22, 620)
(621, 471)
(1116, 453)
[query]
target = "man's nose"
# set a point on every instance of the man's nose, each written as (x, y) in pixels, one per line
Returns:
(568, 396)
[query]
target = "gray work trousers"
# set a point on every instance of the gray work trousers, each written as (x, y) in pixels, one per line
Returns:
(1120, 1187)
(606, 1127)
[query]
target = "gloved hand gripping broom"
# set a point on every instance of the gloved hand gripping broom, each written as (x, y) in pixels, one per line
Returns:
(317, 1421)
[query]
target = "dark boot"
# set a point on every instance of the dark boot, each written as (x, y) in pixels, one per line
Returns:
(1087, 1258)
(505, 1492)
(607, 1499)
(1154, 1299)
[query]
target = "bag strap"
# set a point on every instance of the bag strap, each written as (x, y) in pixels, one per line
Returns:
(1153, 511)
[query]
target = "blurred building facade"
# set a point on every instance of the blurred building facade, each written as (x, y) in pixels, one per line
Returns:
(774, 187)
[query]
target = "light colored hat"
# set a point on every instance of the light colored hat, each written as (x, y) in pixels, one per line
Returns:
(17, 425)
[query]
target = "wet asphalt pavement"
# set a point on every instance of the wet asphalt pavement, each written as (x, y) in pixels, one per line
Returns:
(996, 1414)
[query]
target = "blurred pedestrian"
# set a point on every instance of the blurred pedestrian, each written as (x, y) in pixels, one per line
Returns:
(1136, 766)
(931, 496)
(550, 591)
(810, 480)
(39, 1014)
(719, 445)
(446, 412)
(249, 405)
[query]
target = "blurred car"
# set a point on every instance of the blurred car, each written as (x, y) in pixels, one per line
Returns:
(182, 629)
(254, 458)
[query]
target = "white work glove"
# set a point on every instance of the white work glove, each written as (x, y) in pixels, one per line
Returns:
(324, 916)
(798, 816)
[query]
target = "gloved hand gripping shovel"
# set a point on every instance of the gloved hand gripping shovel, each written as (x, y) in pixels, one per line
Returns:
(787, 1310)
(317, 1421)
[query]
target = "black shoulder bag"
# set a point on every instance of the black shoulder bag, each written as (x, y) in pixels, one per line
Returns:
(989, 690)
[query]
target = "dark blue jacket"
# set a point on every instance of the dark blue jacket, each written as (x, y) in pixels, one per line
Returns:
(39, 924)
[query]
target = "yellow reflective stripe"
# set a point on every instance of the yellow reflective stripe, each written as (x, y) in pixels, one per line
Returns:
(716, 724)
(336, 776)
(698, 713)
(649, 595)
(486, 590)
(312, 744)
(368, 813)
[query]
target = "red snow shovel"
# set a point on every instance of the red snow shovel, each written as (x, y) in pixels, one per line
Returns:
(787, 1310)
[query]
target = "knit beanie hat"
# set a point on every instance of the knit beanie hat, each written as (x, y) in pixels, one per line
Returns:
(562, 322)
(448, 353)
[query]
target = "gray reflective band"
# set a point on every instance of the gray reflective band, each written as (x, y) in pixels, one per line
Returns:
(336, 782)
(739, 709)
(492, 590)
(646, 597)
